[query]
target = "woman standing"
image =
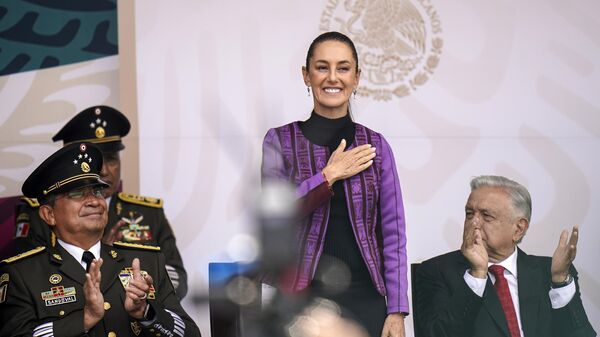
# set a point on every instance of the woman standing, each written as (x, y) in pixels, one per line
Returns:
(352, 239)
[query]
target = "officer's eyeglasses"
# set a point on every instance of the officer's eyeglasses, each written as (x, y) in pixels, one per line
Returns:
(82, 193)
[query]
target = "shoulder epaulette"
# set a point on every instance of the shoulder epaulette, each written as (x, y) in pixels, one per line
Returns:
(31, 201)
(135, 245)
(24, 255)
(140, 200)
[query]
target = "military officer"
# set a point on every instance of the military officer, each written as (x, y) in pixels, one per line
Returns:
(75, 285)
(131, 218)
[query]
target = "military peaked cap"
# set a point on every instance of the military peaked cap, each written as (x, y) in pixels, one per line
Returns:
(73, 166)
(102, 125)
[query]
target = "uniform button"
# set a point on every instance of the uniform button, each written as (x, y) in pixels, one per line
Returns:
(61, 313)
(112, 334)
(106, 305)
(151, 330)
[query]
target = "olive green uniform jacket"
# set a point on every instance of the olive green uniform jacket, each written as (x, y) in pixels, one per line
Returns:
(41, 294)
(145, 223)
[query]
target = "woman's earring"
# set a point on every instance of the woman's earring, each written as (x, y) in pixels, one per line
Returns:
(308, 90)
(354, 92)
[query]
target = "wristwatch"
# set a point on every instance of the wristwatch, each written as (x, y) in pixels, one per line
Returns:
(564, 283)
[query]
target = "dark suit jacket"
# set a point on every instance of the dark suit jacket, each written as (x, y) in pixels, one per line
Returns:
(449, 308)
(44, 288)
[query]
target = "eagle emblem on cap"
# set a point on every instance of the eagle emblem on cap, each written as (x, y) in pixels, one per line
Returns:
(100, 133)
(99, 125)
(84, 158)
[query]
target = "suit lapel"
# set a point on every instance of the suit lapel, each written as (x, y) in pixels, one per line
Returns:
(494, 308)
(530, 276)
(490, 297)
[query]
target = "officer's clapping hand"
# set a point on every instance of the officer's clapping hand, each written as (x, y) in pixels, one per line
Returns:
(114, 234)
(93, 310)
(137, 292)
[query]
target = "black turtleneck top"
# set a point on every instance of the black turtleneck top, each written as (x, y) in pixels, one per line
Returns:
(340, 242)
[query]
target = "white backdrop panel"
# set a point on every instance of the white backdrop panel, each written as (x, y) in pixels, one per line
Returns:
(515, 93)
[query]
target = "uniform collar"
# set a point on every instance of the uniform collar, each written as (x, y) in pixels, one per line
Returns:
(510, 263)
(77, 252)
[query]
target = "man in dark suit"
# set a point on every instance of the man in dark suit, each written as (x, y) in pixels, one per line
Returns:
(491, 287)
(75, 285)
(131, 218)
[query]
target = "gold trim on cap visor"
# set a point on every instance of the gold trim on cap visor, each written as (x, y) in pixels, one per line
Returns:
(69, 180)
(96, 140)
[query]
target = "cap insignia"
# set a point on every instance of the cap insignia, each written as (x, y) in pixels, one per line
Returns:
(100, 133)
(85, 167)
(99, 125)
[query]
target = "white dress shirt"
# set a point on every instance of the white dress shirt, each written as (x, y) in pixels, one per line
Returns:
(559, 297)
(77, 252)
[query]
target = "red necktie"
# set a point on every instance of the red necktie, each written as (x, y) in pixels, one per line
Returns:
(501, 286)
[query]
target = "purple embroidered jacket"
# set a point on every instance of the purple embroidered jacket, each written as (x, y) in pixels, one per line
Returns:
(371, 195)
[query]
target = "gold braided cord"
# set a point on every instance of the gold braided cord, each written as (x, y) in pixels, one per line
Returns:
(96, 140)
(69, 180)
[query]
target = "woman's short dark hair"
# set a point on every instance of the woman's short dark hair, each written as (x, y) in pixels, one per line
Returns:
(331, 36)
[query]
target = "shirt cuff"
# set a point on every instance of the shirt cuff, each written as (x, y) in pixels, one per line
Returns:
(476, 284)
(560, 297)
(149, 316)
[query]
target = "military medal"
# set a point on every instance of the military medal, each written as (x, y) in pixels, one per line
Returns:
(126, 274)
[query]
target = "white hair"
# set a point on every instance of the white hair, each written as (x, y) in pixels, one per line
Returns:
(518, 194)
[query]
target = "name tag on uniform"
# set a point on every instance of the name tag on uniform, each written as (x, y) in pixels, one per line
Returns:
(59, 295)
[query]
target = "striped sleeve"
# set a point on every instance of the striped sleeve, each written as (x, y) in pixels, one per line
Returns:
(44, 330)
